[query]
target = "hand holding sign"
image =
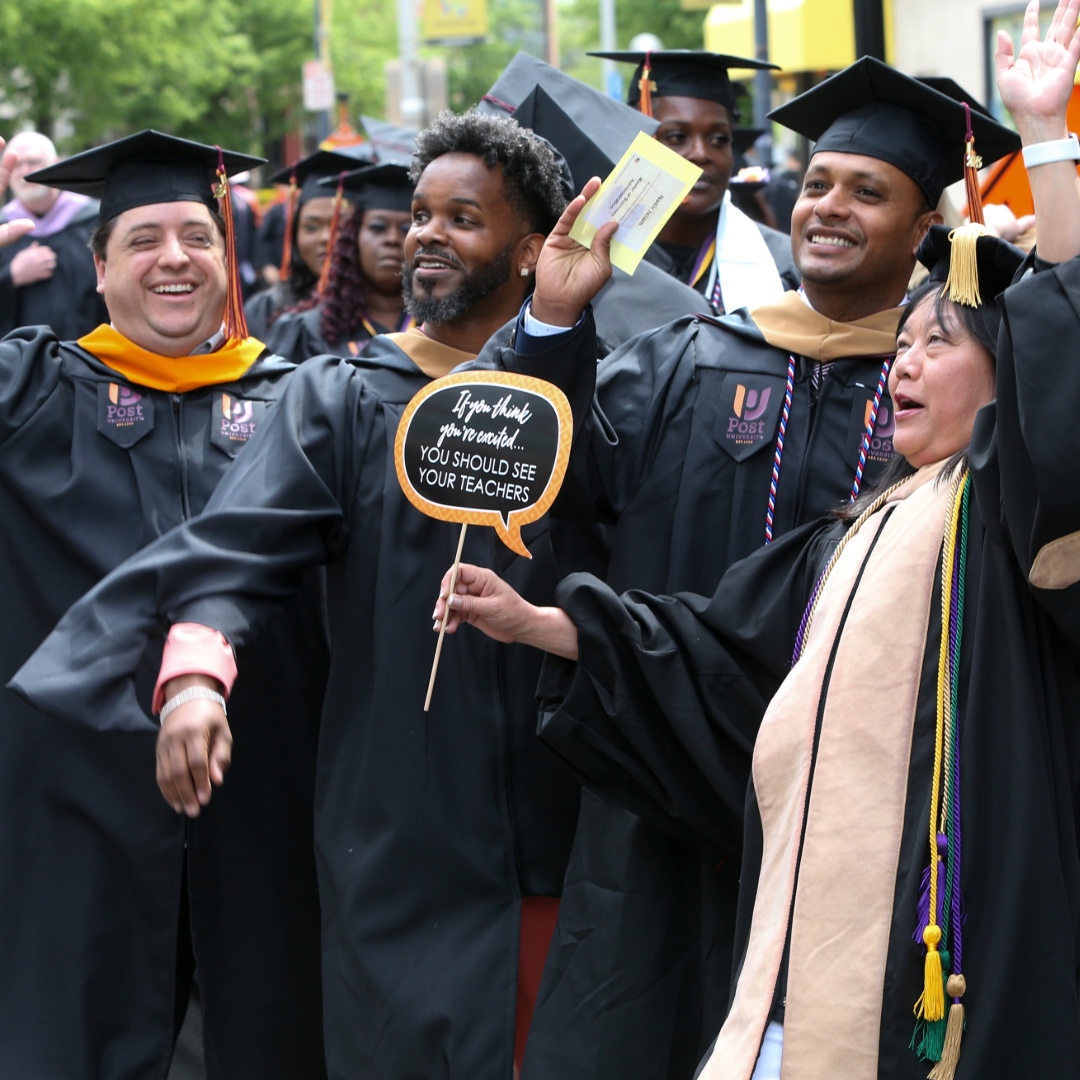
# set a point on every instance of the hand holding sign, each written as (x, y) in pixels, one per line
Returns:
(484, 448)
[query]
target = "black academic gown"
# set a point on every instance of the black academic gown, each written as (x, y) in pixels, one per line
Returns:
(667, 689)
(263, 310)
(298, 336)
(638, 974)
(430, 827)
(94, 879)
(68, 302)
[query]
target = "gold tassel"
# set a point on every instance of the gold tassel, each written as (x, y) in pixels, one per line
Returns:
(931, 1005)
(290, 214)
(945, 1069)
(235, 324)
(962, 284)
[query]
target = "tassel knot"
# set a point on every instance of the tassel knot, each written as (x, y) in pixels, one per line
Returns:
(931, 1005)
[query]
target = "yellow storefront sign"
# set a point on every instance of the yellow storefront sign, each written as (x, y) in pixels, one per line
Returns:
(804, 35)
(445, 19)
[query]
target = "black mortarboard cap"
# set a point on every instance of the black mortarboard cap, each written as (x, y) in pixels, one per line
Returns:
(385, 186)
(951, 88)
(996, 261)
(588, 128)
(744, 137)
(144, 169)
(686, 73)
(871, 109)
(311, 169)
(389, 142)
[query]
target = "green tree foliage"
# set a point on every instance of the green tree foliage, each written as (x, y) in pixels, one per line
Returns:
(227, 71)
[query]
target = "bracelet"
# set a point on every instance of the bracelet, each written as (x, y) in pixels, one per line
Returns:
(1043, 153)
(192, 693)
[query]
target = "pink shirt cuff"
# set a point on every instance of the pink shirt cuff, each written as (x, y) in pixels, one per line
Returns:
(191, 649)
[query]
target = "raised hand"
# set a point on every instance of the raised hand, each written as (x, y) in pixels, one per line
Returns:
(568, 275)
(1037, 82)
(11, 230)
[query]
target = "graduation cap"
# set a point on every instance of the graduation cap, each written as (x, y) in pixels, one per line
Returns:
(869, 108)
(308, 171)
(683, 73)
(390, 142)
(385, 186)
(149, 168)
(143, 169)
(951, 88)
(589, 129)
(744, 138)
(974, 265)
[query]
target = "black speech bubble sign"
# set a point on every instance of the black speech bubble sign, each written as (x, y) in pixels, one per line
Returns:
(485, 448)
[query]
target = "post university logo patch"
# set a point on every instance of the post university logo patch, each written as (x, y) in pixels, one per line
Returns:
(235, 420)
(124, 415)
(748, 413)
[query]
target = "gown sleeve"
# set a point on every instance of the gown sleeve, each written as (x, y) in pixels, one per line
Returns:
(29, 373)
(280, 509)
(1023, 450)
(660, 713)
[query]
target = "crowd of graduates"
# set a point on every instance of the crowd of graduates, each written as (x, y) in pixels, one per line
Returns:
(764, 766)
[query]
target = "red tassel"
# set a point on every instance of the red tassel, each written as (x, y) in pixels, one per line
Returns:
(291, 200)
(335, 221)
(235, 323)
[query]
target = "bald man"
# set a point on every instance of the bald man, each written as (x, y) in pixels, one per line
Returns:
(48, 276)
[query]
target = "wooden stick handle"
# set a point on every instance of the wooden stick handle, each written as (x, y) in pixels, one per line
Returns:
(446, 616)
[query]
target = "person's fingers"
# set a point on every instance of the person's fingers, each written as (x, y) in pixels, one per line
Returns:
(14, 230)
(220, 756)
(179, 774)
(165, 781)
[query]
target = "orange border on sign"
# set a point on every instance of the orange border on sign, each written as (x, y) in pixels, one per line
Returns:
(510, 535)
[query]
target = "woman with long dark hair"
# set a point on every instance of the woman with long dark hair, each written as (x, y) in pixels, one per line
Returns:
(309, 226)
(363, 291)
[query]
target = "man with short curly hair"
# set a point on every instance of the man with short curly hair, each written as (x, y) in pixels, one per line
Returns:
(441, 837)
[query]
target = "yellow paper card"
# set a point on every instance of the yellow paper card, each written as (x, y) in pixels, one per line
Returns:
(642, 192)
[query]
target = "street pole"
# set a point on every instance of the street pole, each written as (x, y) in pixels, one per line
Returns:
(412, 100)
(869, 29)
(762, 78)
(612, 82)
(322, 34)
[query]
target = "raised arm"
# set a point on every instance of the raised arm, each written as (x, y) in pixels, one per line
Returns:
(1035, 87)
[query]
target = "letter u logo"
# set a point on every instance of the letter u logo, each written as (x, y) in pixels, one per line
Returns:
(757, 401)
(884, 425)
(242, 412)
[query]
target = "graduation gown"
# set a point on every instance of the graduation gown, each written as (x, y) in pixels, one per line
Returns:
(298, 336)
(68, 302)
(96, 872)
(665, 697)
(430, 827)
(638, 974)
(263, 310)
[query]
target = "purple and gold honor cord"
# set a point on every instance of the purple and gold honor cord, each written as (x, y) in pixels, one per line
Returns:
(937, 1035)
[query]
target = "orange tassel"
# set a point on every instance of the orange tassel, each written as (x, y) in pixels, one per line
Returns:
(972, 165)
(945, 1069)
(335, 221)
(645, 84)
(290, 214)
(235, 323)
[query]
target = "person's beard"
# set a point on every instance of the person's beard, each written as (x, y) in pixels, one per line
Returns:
(474, 287)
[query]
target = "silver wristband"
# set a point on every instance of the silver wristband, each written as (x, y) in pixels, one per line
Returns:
(192, 693)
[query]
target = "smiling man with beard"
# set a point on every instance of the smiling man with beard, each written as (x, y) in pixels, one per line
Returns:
(441, 838)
